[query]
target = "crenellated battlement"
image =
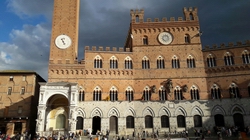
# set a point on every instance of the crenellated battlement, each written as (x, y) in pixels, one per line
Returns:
(190, 14)
(229, 45)
(107, 49)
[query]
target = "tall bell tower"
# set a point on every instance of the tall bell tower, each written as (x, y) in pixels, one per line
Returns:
(64, 36)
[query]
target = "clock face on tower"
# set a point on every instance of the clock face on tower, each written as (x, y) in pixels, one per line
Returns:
(165, 38)
(63, 41)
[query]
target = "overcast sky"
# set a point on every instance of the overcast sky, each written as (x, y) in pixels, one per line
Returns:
(25, 25)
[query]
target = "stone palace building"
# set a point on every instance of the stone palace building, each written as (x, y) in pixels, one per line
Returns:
(162, 80)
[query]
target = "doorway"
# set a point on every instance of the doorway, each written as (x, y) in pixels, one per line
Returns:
(239, 121)
(113, 125)
(96, 124)
(219, 120)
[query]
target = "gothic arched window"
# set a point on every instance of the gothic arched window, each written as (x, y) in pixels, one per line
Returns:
(113, 62)
(145, 63)
(190, 62)
(113, 94)
(98, 62)
(228, 59)
(178, 93)
(163, 94)
(128, 63)
(211, 62)
(129, 94)
(147, 94)
(215, 92)
(160, 63)
(97, 94)
(234, 91)
(175, 62)
(245, 57)
(194, 93)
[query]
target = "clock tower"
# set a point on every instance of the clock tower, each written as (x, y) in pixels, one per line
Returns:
(64, 36)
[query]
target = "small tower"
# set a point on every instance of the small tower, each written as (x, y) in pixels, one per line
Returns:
(137, 16)
(190, 14)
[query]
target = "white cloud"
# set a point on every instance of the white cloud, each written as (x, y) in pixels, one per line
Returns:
(29, 8)
(28, 50)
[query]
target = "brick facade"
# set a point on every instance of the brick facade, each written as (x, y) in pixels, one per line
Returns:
(96, 89)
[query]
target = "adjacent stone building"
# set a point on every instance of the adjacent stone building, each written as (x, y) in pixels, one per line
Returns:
(162, 80)
(19, 90)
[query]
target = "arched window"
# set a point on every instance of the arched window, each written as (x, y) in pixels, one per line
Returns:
(197, 121)
(81, 96)
(147, 94)
(113, 94)
(175, 62)
(178, 93)
(145, 63)
(60, 121)
(148, 121)
(181, 122)
(162, 94)
(130, 122)
(165, 121)
(98, 62)
(160, 63)
(129, 94)
(215, 92)
(234, 91)
(145, 40)
(194, 93)
(228, 59)
(128, 63)
(113, 62)
(211, 62)
(187, 38)
(245, 57)
(190, 62)
(97, 94)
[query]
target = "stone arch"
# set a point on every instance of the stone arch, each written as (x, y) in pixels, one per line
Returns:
(164, 111)
(113, 88)
(218, 110)
(195, 86)
(80, 112)
(145, 58)
(131, 112)
(196, 111)
(65, 94)
(237, 109)
(211, 55)
(128, 58)
(148, 111)
(97, 88)
(228, 53)
(96, 112)
(215, 85)
(180, 111)
(146, 88)
(61, 110)
(175, 56)
(160, 57)
(113, 112)
(129, 88)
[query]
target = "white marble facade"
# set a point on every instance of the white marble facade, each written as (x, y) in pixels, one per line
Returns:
(138, 109)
